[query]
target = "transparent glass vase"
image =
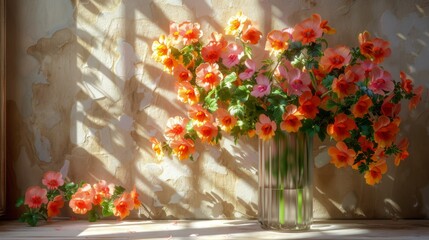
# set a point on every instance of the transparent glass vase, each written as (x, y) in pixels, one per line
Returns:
(286, 182)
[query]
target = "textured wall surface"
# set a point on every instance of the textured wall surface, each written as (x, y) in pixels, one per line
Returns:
(83, 92)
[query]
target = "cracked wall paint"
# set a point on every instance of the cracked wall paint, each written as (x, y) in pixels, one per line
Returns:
(84, 93)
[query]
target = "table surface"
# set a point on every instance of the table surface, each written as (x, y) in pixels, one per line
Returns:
(213, 229)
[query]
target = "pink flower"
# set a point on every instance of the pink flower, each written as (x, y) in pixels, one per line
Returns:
(106, 190)
(211, 52)
(380, 81)
(367, 66)
(35, 197)
(232, 55)
(250, 70)
(208, 75)
(262, 87)
(297, 82)
(190, 32)
(335, 58)
(308, 30)
(80, 203)
(52, 180)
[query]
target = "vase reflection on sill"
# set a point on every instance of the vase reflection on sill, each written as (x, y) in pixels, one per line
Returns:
(286, 182)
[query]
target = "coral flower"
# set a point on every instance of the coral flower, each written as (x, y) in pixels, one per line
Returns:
(208, 75)
(385, 131)
(55, 206)
(176, 127)
(340, 129)
(35, 197)
(80, 203)
(380, 50)
(160, 48)
(174, 35)
(211, 52)
(326, 28)
(187, 93)
(104, 189)
(365, 144)
(403, 146)
(199, 115)
(390, 109)
(250, 70)
(262, 86)
(365, 44)
(236, 24)
(361, 107)
(341, 155)
(343, 87)
(52, 180)
(265, 128)
(182, 148)
(380, 81)
(231, 55)
(251, 35)
(375, 172)
(206, 132)
(416, 98)
(406, 83)
(123, 205)
(225, 120)
(135, 196)
(157, 148)
(218, 38)
(354, 73)
(296, 82)
(308, 105)
(308, 30)
(291, 119)
(277, 41)
(181, 73)
(190, 32)
(335, 58)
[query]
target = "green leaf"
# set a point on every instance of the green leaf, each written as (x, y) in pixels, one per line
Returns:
(211, 104)
(315, 50)
(93, 215)
(118, 190)
(327, 81)
(248, 51)
(19, 202)
(229, 79)
(107, 208)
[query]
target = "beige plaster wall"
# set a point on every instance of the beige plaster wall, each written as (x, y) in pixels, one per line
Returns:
(84, 94)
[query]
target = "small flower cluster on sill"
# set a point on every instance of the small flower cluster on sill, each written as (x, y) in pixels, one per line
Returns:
(98, 200)
(339, 92)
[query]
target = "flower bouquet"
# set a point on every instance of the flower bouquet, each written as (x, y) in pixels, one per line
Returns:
(303, 88)
(340, 92)
(98, 200)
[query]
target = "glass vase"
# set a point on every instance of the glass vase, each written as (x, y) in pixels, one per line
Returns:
(285, 182)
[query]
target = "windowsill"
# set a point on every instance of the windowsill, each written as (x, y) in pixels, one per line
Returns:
(213, 229)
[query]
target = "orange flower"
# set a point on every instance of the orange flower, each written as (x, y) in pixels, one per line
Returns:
(341, 127)
(326, 28)
(335, 58)
(211, 52)
(375, 172)
(103, 189)
(308, 105)
(265, 128)
(365, 144)
(365, 45)
(225, 120)
(406, 83)
(251, 35)
(291, 119)
(135, 196)
(199, 115)
(157, 148)
(123, 205)
(416, 98)
(251, 133)
(385, 131)
(380, 50)
(176, 127)
(342, 87)
(208, 76)
(52, 180)
(403, 146)
(160, 48)
(35, 196)
(308, 30)
(190, 32)
(181, 73)
(361, 107)
(277, 41)
(81, 202)
(236, 24)
(341, 155)
(55, 206)
(390, 109)
(182, 148)
(207, 132)
(187, 93)
(169, 62)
